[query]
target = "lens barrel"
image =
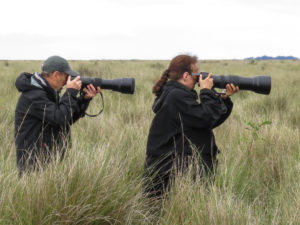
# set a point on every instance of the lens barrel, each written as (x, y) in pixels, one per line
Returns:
(123, 85)
(258, 84)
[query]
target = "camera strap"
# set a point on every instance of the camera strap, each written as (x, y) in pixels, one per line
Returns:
(100, 110)
(219, 94)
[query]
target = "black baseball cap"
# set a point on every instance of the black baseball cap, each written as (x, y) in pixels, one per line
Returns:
(57, 63)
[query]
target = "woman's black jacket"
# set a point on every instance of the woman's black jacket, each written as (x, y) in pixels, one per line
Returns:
(42, 118)
(181, 122)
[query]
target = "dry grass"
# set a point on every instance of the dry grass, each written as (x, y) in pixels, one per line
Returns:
(100, 180)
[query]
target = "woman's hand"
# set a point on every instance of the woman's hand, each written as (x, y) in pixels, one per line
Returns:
(230, 90)
(208, 82)
(91, 91)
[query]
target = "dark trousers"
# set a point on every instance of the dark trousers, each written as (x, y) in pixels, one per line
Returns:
(36, 159)
(159, 171)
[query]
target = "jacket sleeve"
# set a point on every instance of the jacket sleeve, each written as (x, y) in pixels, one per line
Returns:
(200, 115)
(56, 114)
(228, 105)
(82, 107)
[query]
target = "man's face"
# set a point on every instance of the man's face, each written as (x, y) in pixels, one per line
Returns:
(60, 79)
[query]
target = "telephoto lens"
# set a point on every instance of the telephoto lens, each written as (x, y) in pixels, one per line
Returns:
(258, 84)
(123, 85)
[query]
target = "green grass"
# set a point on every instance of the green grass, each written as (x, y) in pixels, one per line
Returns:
(100, 180)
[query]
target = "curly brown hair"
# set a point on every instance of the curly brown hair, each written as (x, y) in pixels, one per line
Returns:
(178, 66)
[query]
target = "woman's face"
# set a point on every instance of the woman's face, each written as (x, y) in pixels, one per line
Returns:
(191, 80)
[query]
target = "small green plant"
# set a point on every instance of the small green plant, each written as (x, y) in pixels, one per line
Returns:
(255, 128)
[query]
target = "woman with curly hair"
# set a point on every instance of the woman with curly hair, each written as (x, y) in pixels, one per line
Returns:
(181, 125)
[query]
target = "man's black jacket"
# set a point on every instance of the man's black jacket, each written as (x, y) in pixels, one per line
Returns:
(42, 118)
(181, 121)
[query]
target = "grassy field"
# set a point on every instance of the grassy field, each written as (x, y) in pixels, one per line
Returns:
(100, 180)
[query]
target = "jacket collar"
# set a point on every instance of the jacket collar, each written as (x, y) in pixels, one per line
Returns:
(167, 88)
(176, 84)
(39, 80)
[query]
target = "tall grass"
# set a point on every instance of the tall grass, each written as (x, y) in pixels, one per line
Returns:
(100, 179)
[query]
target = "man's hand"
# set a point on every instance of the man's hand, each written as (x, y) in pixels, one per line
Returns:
(208, 82)
(75, 84)
(230, 90)
(91, 91)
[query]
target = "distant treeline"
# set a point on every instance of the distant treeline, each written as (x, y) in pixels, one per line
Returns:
(265, 57)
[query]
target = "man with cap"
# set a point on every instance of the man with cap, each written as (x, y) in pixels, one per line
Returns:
(42, 117)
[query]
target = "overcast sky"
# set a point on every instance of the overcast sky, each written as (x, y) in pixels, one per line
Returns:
(148, 29)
